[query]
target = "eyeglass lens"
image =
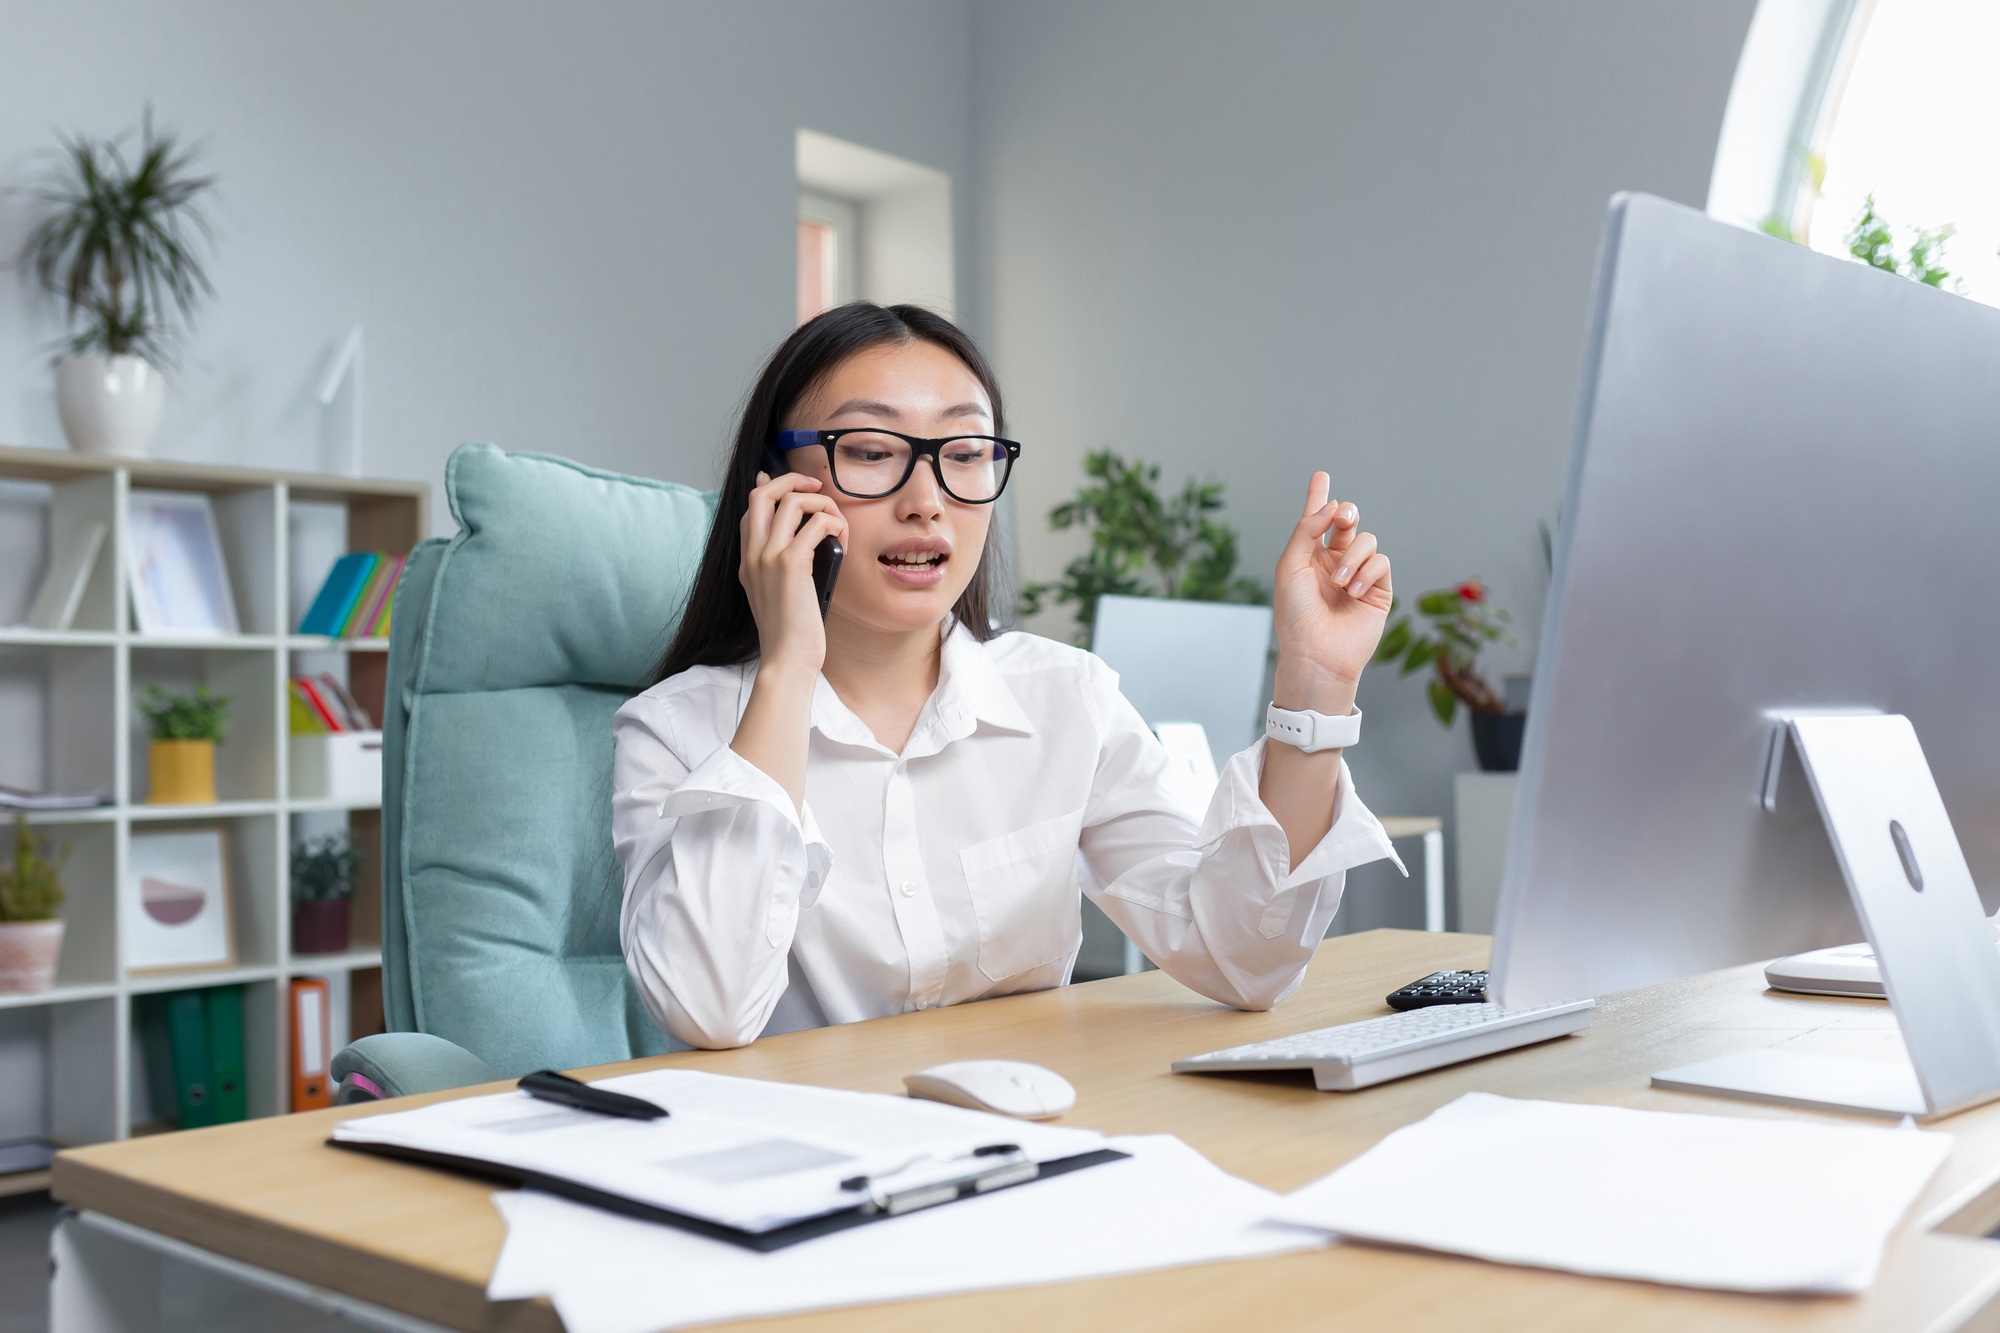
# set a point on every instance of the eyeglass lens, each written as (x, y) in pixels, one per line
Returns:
(867, 464)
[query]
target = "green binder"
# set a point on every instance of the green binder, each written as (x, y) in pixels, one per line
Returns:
(187, 1033)
(149, 1017)
(226, 1089)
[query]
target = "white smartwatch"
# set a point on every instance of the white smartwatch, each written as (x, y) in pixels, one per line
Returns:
(1310, 731)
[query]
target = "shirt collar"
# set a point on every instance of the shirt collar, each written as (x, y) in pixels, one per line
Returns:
(970, 690)
(969, 685)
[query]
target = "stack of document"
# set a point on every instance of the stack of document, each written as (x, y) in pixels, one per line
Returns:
(1162, 1205)
(1693, 1200)
(16, 798)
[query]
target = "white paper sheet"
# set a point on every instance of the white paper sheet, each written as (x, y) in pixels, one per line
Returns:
(1166, 1207)
(744, 1152)
(1693, 1200)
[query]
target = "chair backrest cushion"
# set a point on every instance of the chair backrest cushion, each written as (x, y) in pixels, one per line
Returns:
(512, 646)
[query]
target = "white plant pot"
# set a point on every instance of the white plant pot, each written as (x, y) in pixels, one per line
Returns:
(109, 404)
(29, 951)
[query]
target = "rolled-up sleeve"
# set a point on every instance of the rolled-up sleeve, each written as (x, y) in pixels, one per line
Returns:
(718, 866)
(1214, 901)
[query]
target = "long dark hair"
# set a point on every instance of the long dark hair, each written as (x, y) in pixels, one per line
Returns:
(717, 628)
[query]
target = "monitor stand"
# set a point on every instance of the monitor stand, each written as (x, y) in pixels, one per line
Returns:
(1914, 894)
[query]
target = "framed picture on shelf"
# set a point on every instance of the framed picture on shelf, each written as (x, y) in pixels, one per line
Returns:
(180, 584)
(70, 567)
(176, 898)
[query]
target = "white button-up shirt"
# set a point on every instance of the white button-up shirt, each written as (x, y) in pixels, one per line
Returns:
(949, 872)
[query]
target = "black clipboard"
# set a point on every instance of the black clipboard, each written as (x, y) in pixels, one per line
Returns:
(777, 1238)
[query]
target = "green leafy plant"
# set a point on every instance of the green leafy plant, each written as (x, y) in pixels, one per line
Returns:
(198, 716)
(120, 241)
(1871, 241)
(1463, 620)
(31, 889)
(323, 869)
(1142, 544)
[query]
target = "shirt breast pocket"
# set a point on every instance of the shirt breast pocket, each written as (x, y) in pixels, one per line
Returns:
(1024, 894)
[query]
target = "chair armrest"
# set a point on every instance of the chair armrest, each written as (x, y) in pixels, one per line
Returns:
(397, 1064)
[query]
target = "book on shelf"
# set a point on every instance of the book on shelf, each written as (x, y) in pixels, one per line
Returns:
(30, 1154)
(320, 704)
(372, 606)
(357, 598)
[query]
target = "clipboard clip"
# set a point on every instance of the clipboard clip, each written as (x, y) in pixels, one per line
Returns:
(996, 1166)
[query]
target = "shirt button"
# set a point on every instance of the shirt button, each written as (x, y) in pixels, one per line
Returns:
(909, 888)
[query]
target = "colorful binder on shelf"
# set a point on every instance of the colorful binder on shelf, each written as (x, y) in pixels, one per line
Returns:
(358, 597)
(191, 1043)
(173, 1032)
(311, 1036)
(321, 704)
(373, 606)
(228, 1091)
(335, 601)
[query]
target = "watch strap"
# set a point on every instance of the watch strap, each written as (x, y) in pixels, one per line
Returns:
(1309, 731)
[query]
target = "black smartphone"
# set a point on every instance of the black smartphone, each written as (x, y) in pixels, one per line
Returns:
(826, 568)
(827, 556)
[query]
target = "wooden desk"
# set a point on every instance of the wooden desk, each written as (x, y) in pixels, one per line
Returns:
(270, 1194)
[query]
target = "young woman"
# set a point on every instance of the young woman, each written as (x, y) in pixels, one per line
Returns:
(828, 820)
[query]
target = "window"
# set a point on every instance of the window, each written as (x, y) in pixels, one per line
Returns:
(829, 252)
(870, 227)
(1917, 130)
(1838, 103)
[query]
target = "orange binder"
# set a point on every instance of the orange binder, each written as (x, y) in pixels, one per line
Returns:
(311, 1037)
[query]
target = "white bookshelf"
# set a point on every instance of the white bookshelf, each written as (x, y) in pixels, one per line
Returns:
(68, 1067)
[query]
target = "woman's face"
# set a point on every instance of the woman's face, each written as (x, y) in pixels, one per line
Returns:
(912, 553)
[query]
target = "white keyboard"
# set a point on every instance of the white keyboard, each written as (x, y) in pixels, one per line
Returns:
(1375, 1050)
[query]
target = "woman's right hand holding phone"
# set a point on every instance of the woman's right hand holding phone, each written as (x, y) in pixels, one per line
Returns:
(789, 516)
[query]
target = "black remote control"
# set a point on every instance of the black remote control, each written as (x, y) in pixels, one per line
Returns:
(1441, 988)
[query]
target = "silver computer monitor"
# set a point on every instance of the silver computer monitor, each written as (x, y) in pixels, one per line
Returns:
(1784, 493)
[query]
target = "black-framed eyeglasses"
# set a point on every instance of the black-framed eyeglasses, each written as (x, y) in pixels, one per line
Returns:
(868, 462)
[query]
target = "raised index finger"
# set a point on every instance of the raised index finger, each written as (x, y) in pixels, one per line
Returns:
(1316, 493)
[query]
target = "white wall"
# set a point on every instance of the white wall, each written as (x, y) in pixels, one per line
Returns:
(564, 227)
(1255, 239)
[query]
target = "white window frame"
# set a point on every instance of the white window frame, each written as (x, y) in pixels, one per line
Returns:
(1781, 105)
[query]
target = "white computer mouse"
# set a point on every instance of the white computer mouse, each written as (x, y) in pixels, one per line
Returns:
(1006, 1087)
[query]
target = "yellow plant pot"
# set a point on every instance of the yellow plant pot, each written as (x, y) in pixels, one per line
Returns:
(183, 773)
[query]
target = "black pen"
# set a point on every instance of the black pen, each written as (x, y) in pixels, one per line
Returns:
(563, 1090)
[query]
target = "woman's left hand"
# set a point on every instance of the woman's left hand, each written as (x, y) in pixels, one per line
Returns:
(1330, 599)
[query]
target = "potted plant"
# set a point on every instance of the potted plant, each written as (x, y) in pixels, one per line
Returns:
(1143, 544)
(323, 873)
(30, 931)
(1463, 620)
(185, 729)
(118, 246)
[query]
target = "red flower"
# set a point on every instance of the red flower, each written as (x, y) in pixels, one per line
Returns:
(1472, 590)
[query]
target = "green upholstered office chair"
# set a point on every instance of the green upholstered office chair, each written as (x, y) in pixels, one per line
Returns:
(513, 643)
